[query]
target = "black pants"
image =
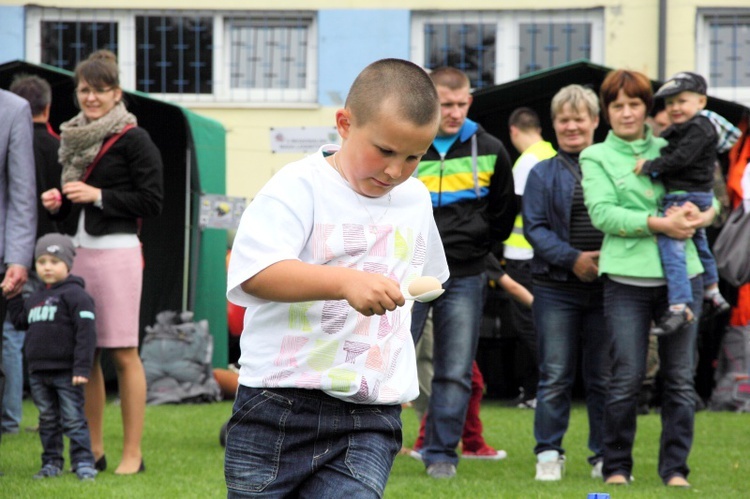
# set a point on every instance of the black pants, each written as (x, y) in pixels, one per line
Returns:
(520, 271)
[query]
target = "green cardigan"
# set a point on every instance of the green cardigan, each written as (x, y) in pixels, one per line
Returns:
(620, 202)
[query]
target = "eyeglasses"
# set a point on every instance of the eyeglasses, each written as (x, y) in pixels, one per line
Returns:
(85, 92)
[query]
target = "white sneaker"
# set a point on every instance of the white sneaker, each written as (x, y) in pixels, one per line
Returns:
(550, 471)
(527, 404)
(596, 471)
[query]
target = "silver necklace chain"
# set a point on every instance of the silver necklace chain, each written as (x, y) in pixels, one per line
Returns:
(357, 195)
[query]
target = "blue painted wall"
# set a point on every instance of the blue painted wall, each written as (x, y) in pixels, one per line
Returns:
(351, 39)
(12, 24)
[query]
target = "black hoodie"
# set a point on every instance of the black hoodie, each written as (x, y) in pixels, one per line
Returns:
(60, 323)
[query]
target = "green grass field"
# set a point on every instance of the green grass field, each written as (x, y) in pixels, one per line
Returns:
(183, 459)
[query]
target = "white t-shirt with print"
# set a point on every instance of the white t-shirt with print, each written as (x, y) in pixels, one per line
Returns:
(308, 212)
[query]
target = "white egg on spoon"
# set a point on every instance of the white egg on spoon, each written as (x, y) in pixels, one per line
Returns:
(424, 289)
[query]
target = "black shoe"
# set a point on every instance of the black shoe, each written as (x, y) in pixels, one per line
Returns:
(672, 321)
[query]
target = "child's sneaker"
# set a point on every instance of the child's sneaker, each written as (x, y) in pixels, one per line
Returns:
(85, 471)
(485, 452)
(48, 471)
(717, 303)
(672, 321)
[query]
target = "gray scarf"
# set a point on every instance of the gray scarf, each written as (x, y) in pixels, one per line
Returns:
(81, 139)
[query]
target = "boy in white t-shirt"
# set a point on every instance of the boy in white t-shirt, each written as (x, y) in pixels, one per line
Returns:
(321, 261)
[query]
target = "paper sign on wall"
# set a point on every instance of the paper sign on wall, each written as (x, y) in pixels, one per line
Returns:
(220, 212)
(302, 139)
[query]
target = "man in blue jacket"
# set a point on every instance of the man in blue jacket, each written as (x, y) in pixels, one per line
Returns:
(468, 173)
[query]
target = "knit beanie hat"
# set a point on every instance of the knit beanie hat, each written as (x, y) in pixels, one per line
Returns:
(58, 245)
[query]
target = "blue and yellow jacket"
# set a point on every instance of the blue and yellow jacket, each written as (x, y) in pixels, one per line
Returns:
(473, 198)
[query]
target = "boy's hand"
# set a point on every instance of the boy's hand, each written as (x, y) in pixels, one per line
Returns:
(373, 294)
(80, 380)
(639, 166)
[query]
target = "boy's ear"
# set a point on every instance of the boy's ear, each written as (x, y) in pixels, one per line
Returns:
(703, 100)
(343, 122)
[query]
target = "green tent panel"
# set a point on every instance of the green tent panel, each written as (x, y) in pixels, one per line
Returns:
(184, 265)
(493, 105)
(209, 146)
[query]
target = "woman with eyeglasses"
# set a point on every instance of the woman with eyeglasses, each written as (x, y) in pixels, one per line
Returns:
(111, 178)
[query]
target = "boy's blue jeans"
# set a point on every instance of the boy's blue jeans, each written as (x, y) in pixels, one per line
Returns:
(60, 405)
(672, 251)
(290, 442)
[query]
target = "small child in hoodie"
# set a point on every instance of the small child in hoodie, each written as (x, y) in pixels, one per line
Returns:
(59, 349)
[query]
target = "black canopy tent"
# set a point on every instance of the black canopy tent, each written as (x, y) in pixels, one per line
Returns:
(492, 106)
(184, 266)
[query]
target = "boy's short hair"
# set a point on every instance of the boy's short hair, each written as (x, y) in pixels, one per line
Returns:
(524, 118)
(576, 96)
(633, 83)
(449, 77)
(34, 89)
(398, 81)
(682, 82)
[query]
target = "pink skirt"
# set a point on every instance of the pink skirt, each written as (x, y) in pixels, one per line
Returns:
(114, 278)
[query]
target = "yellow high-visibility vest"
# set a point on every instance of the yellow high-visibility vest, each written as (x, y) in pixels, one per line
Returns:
(541, 150)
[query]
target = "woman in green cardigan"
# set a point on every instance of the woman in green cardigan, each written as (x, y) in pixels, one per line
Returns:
(624, 206)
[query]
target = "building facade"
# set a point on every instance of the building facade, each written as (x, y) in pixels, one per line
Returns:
(273, 73)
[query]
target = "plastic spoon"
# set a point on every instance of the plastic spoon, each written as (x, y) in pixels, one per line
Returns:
(425, 289)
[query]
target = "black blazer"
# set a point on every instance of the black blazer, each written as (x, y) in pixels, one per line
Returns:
(130, 176)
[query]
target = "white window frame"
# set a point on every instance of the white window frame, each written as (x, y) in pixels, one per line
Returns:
(703, 54)
(507, 34)
(293, 95)
(222, 94)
